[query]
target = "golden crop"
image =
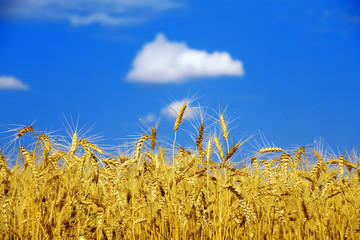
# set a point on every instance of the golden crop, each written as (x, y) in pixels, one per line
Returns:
(78, 192)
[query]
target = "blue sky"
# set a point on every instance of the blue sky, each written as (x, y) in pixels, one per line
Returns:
(287, 69)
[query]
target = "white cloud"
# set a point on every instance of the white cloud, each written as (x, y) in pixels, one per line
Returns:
(173, 109)
(162, 61)
(101, 18)
(82, 12)
(11, 83)
(150, 118)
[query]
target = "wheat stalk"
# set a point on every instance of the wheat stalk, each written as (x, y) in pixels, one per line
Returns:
(224, 128)
(341, 166)
(177, 125)
(199, 138)
(218, 147)
(74, 144)
(180, 117)
(256, 165)
(270, 150)
(298, 157)
(47, 145)
(25, 130)
(153, 138)
(231, 152)
(139, 145)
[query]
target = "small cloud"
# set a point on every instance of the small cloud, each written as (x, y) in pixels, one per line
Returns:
(150, 118)
(173, 109)
(11, 83)
(101, 18)
(162, 61)
(85, 12)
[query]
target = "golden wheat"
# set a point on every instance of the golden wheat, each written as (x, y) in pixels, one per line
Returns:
(199, 138)
(88, 194)
(231, 152)
(224, 128)
(153, 138)
(270, 150)
(218, 147)
(139, 145)
(25, 130)
(180, 117)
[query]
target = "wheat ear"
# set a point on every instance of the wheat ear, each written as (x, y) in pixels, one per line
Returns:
(200, 137)
(224, 128)
(298, 157)
(341, 166)
(231, 152)
(139, 145)
(271, 149)
(180, 117)
(25, 130)
(177, 125)
(218, 147)
(74, 144)
(153, 138)
(256, 165)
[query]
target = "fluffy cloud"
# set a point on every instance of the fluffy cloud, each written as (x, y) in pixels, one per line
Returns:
(173, 109)
(11, 83)
(82, 12)
(162, 61)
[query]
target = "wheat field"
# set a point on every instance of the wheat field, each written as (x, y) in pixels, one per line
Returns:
(77, 191)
